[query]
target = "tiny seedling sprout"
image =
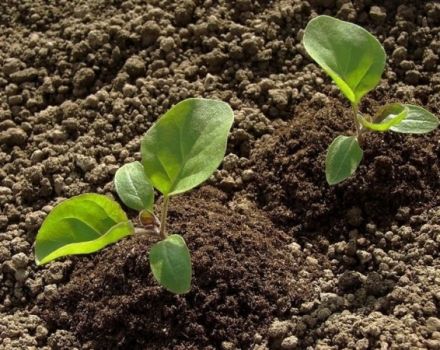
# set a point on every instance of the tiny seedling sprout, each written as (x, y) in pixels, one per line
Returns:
(355, 60)
(179, 152)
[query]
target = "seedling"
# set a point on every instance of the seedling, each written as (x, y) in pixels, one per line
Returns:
(355, 60)
(179, 152)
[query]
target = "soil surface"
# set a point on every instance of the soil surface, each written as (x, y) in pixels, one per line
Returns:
(281, 260)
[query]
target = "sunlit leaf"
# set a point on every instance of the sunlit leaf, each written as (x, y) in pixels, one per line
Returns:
(133, 187)
(349, 54)
(170, 263)
(343, 157)
(389, 116)
(185, 146)
(81, 225)
(418, 121)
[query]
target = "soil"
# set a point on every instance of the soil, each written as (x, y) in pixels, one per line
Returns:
(281, 260)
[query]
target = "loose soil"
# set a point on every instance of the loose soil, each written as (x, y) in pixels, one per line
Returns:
(281, 260)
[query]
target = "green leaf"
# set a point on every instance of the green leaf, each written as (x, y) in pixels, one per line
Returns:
(185, 146)
(170, 263)
(343, 157)
(349, 54)
(418, 121)
(389, 116)
(133, 187)
(80, 225)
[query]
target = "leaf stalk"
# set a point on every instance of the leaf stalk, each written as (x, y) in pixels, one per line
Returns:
(358, 125)
(163, 217)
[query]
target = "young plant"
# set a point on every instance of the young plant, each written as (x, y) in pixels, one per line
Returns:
(355, 60)
(179, 152)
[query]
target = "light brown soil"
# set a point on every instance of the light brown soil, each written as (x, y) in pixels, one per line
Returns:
(281, 260)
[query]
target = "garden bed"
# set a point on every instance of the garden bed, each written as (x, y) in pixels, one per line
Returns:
(280, 259)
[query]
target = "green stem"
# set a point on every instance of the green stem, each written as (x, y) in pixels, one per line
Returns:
(163, 217)
(356, 122)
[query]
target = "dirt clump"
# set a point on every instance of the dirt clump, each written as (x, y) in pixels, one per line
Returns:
(396, 171)
(244, 275)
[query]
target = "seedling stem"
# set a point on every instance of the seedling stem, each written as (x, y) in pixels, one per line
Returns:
(355, 109)
(163, 217)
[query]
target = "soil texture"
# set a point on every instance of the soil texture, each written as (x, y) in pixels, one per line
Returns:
(281, 260)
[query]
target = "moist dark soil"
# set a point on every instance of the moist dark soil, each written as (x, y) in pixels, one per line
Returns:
(280, 259)
(244, 275)
(396, 171)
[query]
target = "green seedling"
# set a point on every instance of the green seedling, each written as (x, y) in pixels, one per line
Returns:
(355, 60)
(179, 152)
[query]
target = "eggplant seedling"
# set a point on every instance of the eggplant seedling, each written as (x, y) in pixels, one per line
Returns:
(179, 152)
(355, 60)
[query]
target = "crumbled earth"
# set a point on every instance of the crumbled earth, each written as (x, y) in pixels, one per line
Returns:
(242, 276)
(281, 260)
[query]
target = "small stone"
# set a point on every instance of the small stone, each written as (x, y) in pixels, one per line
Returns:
(407, 65)
(167, 44)
(319, 99)
(135, 66)
(412, 77)
(278, 329)
(21, 76)
(21, 275)
(12, 65)
(433, 324)
(13, 137)
(15, 100)
(349, 280)
(5, 253)
(70, 124)
(96, 38)
(258, 338)
(19, 260)
(57, 136)
(41, 332)
(228, 183)
(433, 344)
(91, 101)
(227, 345)
(378, 14)
(84, 78)
(399, 54)
(150, 32)
(347, 12)
(364, 257)
(430, 60)
(290, 343)
(50, 290)
(323, 313)
(248, 175)
(279, 97)
(85, 163)
(129, 90)
(37, 156)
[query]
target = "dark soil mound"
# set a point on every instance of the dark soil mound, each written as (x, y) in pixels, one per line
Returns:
(397, 171)
(244, 276)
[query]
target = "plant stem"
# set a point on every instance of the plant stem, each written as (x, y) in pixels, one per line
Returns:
(163, 217)
(355, 108)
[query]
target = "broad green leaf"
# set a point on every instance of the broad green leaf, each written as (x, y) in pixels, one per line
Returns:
(80, 225)
(389, 116)
(133, 187)
(418, 121)
(349, 54)
(184, 147)
(170, 263)
(343, 157)
(113, 235)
